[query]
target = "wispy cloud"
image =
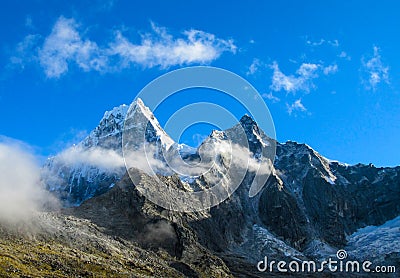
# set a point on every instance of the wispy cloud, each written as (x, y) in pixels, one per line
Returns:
(66, 46)
(330, 69)
(254, 67)
(374, 70)
(162, 49)
(301, 81)
(198, 138)
(320, 42)
(29, 22)
(298, 84)
(67, 139)
(25, 51)
(21, 191)
(271, 97)
(104, 159)
(344, 55)
(296, 106)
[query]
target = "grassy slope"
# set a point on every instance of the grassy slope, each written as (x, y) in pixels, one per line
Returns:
(50, 259)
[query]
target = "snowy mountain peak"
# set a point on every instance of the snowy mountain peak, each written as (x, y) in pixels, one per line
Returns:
(118, 112)
(140, 102)
(77, 182)
(141, 119)
(251, 128)
(218, 134)
(248, 123)
(139, 106)
(246, 120)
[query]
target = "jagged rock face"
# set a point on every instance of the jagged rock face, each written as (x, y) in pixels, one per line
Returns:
(108, 133)
(280, 212)
(375, 190)
(228, 223)
(75, 182)
(253, 134)
(123, 212)
(326, 200)
(198, 240)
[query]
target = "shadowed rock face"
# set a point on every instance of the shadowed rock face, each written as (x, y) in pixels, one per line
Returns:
(122, 212)
(280, 212)
(326, 200)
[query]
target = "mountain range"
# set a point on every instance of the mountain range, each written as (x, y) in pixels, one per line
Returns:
(308, 209)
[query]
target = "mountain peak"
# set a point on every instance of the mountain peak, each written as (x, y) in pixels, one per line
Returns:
(140, 102)
(218, 134)
(247, 122)
(117, 112)
(141, 118)
(246, 119)
(121, 111)
(138, 105)
(249, 125)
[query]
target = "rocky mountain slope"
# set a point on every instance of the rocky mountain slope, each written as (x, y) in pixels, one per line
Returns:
(307, 209)
(80, 179)
(76, 181)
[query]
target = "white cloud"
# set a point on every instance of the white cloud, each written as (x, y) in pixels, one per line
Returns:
(330, 69)
(147, 159)
(105, 5)
(302, 81)
(253, 68)
(152, 160)
(29, 22)
(162, 49)
(298, 84)
(296, 106)
(23, 51)
(307, 70)
(68, 138)
(65, 45)
(104, 159)
(375, 71)
(334, 43)
(344, 55)
(315, 43)
(271, 97)
(198, 138)
(21, 191)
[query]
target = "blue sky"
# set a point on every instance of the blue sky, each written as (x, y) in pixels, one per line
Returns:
(328, 70)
